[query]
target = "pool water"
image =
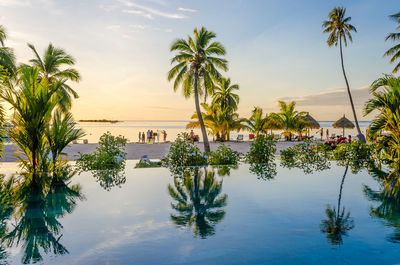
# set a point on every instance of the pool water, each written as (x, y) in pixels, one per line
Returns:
(145, 216)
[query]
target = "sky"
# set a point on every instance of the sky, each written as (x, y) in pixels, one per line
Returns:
(275, 48)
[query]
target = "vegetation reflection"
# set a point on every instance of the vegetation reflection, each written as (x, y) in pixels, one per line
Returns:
(388, 198)
(37, 204)
(198, 201)
(338, 222)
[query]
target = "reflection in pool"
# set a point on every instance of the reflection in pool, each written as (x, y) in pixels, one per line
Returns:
(213, 215)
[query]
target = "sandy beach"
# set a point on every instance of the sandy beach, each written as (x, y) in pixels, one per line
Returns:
(136, 151)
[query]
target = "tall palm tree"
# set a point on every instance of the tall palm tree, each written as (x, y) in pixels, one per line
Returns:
(339, 30)
(196, 67)
(385, 102)
(224, 97)
(395, 37)
(198, 201)
(56, 65)
(288, 118)
(257, 121)
(338, 222)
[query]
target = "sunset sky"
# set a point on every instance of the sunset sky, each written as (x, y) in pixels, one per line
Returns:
(276, 51)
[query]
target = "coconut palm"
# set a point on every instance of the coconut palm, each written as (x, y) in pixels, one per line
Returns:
(196, 66)
(217, 122)
(394, 52)
(224, 97)
(338, 223)
(60, 134)
(288, 118)
(339, 30)
(56, 66)
(7, 57)
(198, 202)
(385, 102)
(257, 121)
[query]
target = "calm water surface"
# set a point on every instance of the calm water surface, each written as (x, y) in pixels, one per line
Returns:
(135, 218)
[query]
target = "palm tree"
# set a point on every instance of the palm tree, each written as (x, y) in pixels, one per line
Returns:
(196, 66)
(60, 134)
(7, 57)
(395, 50)
(339, 29)
(256, 123)
(198, 202)
(338, 222)
(33, 104)
(218, 123)
(288, 118)
(224, 97)
(55, 66)
(385, 103)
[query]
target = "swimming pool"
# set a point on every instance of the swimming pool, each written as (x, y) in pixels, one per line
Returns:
(146, 216)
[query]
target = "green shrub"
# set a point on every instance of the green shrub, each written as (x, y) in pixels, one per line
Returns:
(147, 165)
(307, 156)
(262, 150)
(356, 154)
(224, 155)
(108, 155)
(183, 153)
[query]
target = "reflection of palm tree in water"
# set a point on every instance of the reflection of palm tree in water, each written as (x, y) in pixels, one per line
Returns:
(338, 223)
(36, 225)
(389, 200)
(198, 202)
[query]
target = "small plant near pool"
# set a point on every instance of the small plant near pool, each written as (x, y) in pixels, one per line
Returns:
(224, 155)
(262, 150)
(108, 155)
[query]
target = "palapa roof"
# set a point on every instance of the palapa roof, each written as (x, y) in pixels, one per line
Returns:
(343, 123)
(313, 123)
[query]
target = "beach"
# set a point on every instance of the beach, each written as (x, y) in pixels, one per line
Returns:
(136, 151)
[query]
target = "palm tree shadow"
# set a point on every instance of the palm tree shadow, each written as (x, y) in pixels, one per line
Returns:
(338, 222)
(198, 201)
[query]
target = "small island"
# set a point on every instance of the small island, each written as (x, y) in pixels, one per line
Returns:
(102, 120)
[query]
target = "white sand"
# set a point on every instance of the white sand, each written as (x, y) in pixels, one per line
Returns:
(136, 151)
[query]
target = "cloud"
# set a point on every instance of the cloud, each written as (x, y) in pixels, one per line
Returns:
(152, 11)
(187, 10)
(113, 27)
(19, 3)
(137, 12)
(137, 26)
(337, 97)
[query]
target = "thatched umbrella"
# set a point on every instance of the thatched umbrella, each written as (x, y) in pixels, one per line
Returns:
(312, 123)
(343, 123)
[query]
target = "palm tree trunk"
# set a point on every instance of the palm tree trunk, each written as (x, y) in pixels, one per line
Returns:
(360, 135)
(198, 111)
(340, 192)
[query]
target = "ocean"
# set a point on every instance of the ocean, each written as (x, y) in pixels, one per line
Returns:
(130, 129)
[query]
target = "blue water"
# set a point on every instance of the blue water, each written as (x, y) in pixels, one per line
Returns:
(129, 220)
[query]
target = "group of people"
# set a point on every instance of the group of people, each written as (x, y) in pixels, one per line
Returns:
(321, 132)
(338, 140)
(152, 136)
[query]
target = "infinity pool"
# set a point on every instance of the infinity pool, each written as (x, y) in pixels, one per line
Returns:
(145, 216)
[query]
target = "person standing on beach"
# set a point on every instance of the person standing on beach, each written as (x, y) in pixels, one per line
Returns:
(148, 136)
(143, 138)
(327, 134)
(165, 135)
(140, 137)
(321, 133)
(151, 136)
(158, 136)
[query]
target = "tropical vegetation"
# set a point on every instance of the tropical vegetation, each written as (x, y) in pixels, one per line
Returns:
(339, 29)
(394, 52)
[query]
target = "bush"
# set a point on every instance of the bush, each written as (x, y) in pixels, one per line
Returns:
(262, 150)
(307, 156)
(183, 153)
(224, 155)
(356, 154)
(108, 155)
